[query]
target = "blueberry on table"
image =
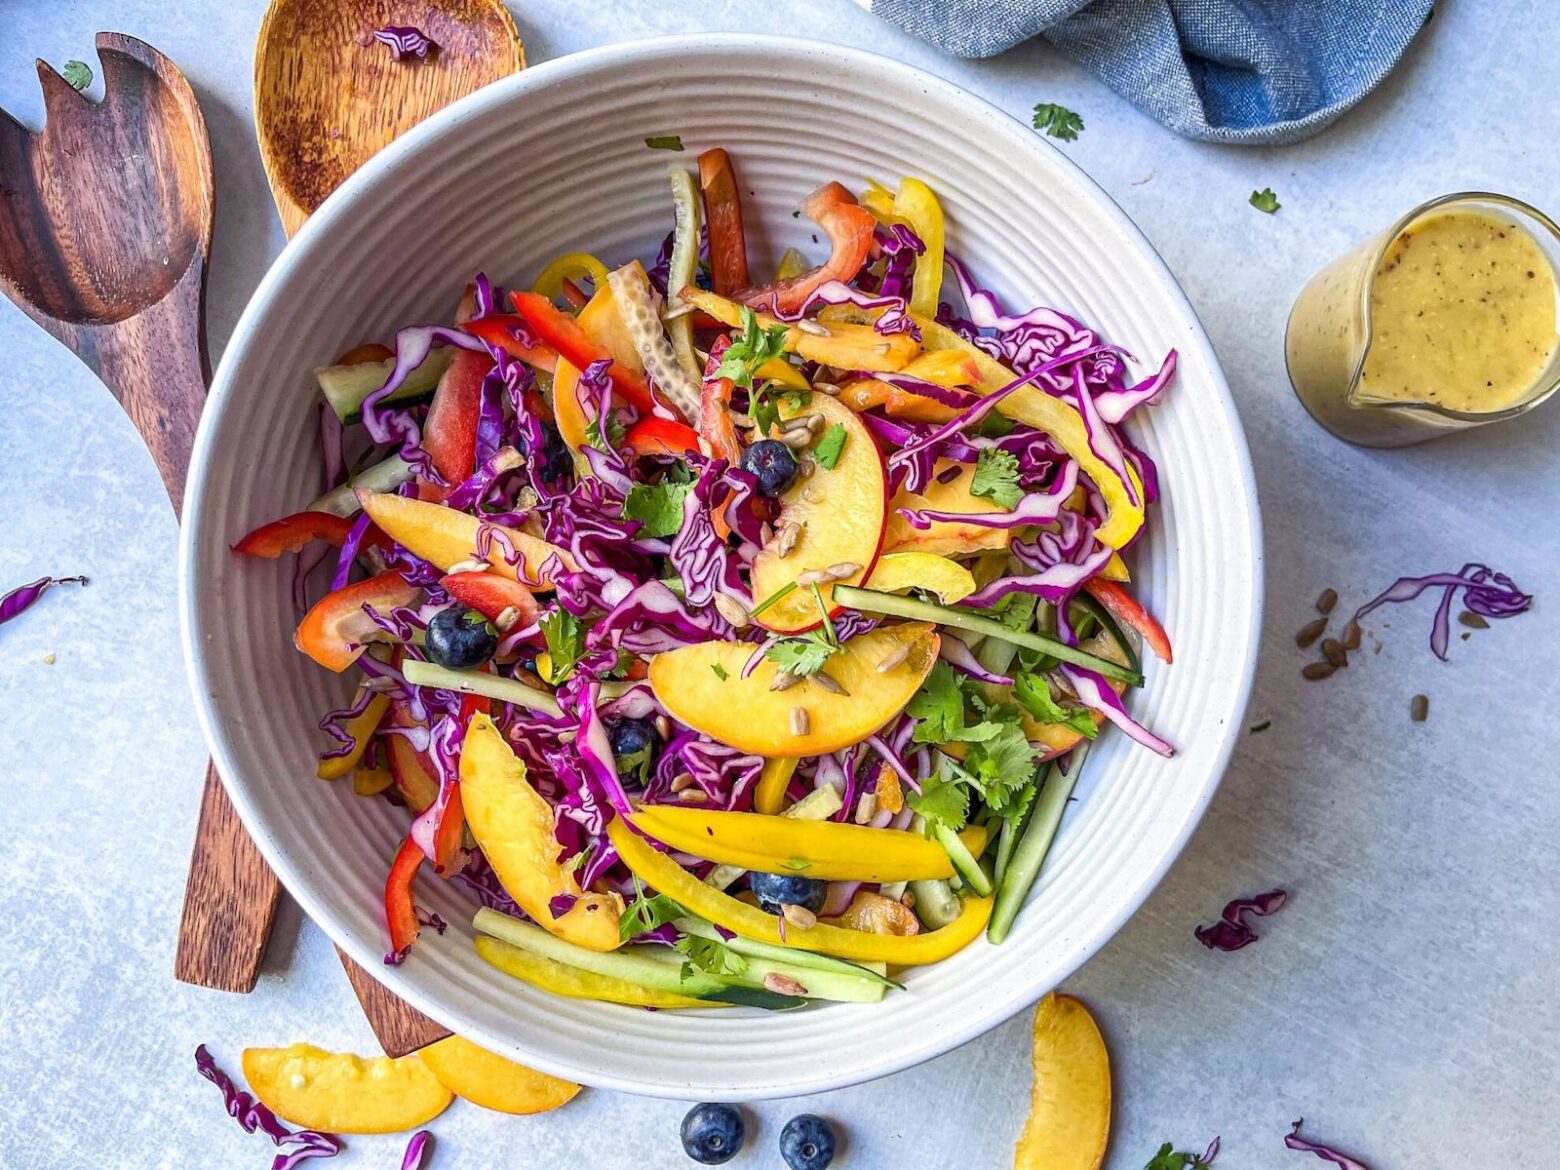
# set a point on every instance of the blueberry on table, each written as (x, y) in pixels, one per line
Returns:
(772, 463)
(712, 1134)
(777, 890)
(460, 639)
(807, 1142)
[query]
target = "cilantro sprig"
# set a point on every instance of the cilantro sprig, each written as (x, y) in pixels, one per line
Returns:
(1058, 121)
(77, 74)
(645, 913)
(1265, 200)
(1034, 695)
(804, 654)
(1169, 1158)
(708, 956)
(664, 142)
(996, 478)
(657, 506)
(565, 642)
(750, 349)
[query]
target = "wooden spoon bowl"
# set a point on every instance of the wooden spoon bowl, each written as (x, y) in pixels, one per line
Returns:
(328, 96)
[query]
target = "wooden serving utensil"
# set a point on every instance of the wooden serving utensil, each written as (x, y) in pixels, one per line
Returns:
(105, 232)
(328, 97)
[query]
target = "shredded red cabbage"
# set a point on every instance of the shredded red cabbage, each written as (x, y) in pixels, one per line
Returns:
(1232, 931)
(1095, 692)
(415, 1148)
(14, 603)
(1295, 1142)
(297, 1147)
(1485, 592)
(404, 41)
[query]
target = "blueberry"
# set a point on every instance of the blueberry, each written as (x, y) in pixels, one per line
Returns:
(772, 462)
(774, 890)
(634, 737)
(807, 1142)
(555, 457)
(460, 638)
(712, 1134)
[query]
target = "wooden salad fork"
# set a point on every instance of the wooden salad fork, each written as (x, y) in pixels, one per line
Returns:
(105, 234)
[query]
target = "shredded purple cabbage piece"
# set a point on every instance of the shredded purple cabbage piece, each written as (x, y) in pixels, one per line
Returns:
(1485, 592)
(1232, 931)
(404, 41)
(1295, 1142)
(14, 603)
(297, 1147)
(415, 1150)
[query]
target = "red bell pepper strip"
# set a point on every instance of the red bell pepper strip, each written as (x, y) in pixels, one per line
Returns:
(490, 594)
(450, 430)
(1128, 609)
(291, 533)
(715, 425)
(335, 631)
(400, 907)
(723, 214)
(574, 294)
(661, 436)
(561, 332)
(849, 227)
(498, 331)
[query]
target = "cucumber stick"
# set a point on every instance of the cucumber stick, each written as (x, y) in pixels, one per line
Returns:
(872, 601)
(381, 477)
(752, 948)
(964, 862)
(345, 387)
(935, 903)
(631, 964)
(1029, 855)
(476, 682)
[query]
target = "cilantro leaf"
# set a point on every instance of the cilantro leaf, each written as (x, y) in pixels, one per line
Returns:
(996, 478)
(565, 642)
(750, 349)
(664, 142)
(615, 432)
(77, 74)
(1169, 1158)
(658, 506)
(1001, 765)
(995, 425)
(827, 450)
(1265, 200)
(938, 706)
(1034, 694)
(802, 655)
(646, 913)
(1058, 121)
(709, 956)
(719, 671)
(941, 801)
(1016, 611)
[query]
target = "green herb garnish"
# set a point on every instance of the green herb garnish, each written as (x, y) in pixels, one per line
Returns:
(664, 142)
(565, 642)
(77, 74)
(719, 671)
(1034, 695)
(797, 863)
(996, 478)
(615, 433)
(1265, 200)
(750, 349)
(708, 956)
(827, 450)
(804, 654)
(779, 594)
(658, 506)
(1169, 1158)
(1058, 121)
(646, 913)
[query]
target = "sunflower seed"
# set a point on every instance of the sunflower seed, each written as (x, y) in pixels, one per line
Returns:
(663, 727)
(1310, 632)
(471, 566)
(783, 984)
(506, 620)
(892, 659)
(681, 781)
(784, 680)
(829, 684)
(866, 807)
(1472, 620)
(810, 577)
(745, 421)
(797, 440)
(1351, 635)
(817, 329)
(1317, 670)
(732, 610)
(789, 535)
(838, 572)
(812, 495)
(692, 796)
(1419, 709)
(805, 466)
(816, 423)
(800, 724)
(1333, 651)
(800, 422)
(380, 685)
(798, 916)
(1328, 599)
(828, 388)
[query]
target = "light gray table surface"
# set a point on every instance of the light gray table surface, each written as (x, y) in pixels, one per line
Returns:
(1406, 1002)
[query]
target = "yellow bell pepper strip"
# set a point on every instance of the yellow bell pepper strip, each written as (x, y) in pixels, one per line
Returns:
(769, 796)
(602, 321)
(1057, 419)
(569, 266)
(657, 870)
(513, 826)
(827, 850)
(792, 263)
(360, 727)
(949, 580)
(781, 371)
(371, 781)
(848, 346)
(917, 207)
(575, 982)
(879, 200)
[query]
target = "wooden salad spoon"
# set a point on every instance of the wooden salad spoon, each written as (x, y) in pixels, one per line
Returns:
(105, 233)
(329, 95)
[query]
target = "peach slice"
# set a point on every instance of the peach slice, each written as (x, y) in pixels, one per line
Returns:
(951, 581)
(343, 1093)
(513, 826)
(474, 1074)
(446, 537)
(838, 515)
(745, 714)
(1069, 1107)
(945, 537)
(601, 319)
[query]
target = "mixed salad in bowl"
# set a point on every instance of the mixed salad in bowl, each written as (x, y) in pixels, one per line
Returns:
(735, 641)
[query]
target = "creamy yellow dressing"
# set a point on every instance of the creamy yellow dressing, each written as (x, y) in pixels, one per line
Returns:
(1462, 314)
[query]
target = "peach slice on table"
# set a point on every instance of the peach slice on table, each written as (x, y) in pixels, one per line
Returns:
(947, 538)
(1069, 1106)
(832, 517)
(446, 537)
(601, 319)
(745, 714)
(484, 1078)
(513, 826)
(343, 1093)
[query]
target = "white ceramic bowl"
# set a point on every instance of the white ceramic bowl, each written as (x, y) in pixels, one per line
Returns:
(553, 160)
